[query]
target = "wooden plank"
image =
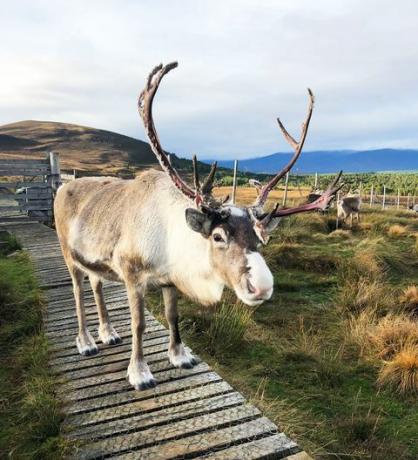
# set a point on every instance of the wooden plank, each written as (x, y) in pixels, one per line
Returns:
(29, 207)
(33, 162)
(118, 400)
(271, 447)
(203, 442)
(25, 172)
(147, 405)
(122, 443)
(163, 372)
(24, 184)
(162, 416)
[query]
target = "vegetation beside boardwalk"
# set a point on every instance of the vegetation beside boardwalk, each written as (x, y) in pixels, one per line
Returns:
(332, 358)
(30, 414)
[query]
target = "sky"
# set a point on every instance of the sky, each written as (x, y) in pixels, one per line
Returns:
(242, 63)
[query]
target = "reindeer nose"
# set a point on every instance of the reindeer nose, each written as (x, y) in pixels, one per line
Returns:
(259, 293)
(263, 293)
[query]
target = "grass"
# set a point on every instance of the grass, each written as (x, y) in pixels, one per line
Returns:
(31, 415)
(326, 357)
(401, 373)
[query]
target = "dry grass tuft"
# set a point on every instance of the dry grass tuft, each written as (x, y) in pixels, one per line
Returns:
(357, 295)
(340, 234)
(391, 334)
(396, 230)
(401, 373)
(409, 299)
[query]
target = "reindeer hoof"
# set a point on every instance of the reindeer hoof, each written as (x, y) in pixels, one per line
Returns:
(108, 335)
(140, 376)
(180, 357)
(86, 345)
(147, 385)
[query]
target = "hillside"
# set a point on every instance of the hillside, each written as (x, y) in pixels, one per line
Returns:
(80, 147)
(332, 161)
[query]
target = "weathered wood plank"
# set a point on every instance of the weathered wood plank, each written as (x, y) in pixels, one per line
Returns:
(164, 416)
(121, 443)
(202, 442)
(271, 447)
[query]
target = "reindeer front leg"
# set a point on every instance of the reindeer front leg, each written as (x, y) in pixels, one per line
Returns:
(139, 374)
(177, 354)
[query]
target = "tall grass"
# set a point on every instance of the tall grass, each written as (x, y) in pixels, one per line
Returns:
(227, 327)
(31, 414)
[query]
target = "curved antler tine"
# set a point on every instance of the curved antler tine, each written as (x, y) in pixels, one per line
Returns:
(145, 101)
(195, 174)
(208, 184)
(155, 70)
(336, 180)
(296, 145)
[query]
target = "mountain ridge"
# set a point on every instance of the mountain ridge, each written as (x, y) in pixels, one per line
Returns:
(330, 161)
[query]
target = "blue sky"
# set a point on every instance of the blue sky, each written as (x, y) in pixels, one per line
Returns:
(242, 63)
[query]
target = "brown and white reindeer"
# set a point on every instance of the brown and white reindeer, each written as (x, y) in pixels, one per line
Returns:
(349, 206)
(156, 230)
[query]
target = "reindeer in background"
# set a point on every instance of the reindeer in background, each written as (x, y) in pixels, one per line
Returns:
(349, 206)
(156, 230)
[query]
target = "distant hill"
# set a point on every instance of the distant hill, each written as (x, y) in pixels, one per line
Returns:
(332, 161)
(80, 147)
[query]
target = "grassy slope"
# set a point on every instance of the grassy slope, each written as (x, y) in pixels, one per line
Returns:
(30, 413)
(297, 360)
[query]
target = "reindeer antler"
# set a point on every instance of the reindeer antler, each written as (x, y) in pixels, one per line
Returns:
(145, 101)
(320, 203)
(296, 145)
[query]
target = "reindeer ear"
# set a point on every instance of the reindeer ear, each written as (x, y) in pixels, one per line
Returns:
(198, 221)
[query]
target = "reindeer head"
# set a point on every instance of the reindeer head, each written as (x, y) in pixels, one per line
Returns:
(233, 234)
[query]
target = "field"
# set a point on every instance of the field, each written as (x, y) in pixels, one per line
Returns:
(332, 358)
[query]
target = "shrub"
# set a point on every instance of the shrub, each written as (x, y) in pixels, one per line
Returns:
(401, 373)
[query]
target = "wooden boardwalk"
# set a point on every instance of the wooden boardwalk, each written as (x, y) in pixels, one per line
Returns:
(190, 414)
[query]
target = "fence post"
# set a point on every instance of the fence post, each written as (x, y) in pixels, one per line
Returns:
(371, 196)
(285, 189)
(384, 197)
(234, 182)
(336, 220)
(54, 178)
(316, 181)
(399, 198)
(407, 201)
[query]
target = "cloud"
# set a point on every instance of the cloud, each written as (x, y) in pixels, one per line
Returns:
(242, 63)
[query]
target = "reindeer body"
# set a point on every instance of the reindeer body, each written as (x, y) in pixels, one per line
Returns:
(349, 206)
(145, 237)
(157, 230)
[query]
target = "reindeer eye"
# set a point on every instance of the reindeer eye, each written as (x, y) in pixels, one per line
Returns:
(218, 238)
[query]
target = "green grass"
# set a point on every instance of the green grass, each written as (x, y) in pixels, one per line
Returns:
(30, 413)
(295, 357)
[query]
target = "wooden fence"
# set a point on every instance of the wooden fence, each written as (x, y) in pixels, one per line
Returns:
(27, 188)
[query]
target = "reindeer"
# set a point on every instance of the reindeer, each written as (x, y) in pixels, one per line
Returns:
(156, 230)
(349, 206)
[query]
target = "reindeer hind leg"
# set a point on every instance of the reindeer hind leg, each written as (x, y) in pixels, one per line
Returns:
(107, 333)
(85, 342)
